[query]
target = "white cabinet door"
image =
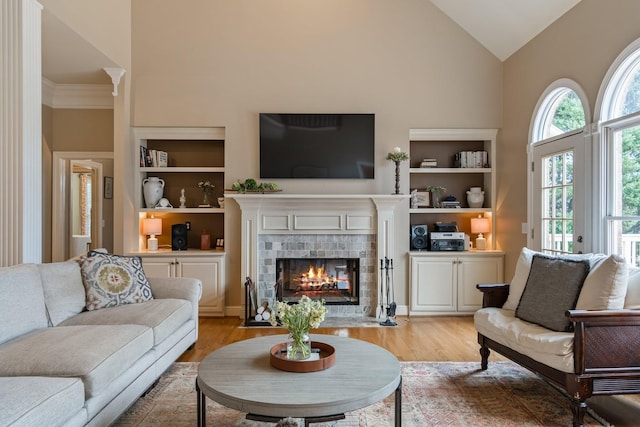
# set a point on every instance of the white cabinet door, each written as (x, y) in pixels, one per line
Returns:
(432, 284)
(209, 269)
(471, 271)
(211, 272)
(158, 267)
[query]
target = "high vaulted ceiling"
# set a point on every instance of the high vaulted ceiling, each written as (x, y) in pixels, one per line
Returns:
(504, 26)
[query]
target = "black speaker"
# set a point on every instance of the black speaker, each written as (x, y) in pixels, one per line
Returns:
(179, 237)
(419, 237)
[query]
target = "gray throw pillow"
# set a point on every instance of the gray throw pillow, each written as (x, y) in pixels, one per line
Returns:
(552, 288)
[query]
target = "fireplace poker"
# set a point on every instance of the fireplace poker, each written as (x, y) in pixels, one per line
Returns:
(381, 287)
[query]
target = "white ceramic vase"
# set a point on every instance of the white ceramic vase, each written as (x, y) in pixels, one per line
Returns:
(153, 187)
(475, 197)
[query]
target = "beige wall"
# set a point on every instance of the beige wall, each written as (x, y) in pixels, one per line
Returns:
(221, 62)
(76, 130)
(581, 46)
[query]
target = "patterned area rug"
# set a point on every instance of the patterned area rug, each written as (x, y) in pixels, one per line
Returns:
(433, 394)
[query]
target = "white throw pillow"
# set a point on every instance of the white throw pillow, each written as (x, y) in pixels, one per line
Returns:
(632, 299)
(606, 285)
(519, 281)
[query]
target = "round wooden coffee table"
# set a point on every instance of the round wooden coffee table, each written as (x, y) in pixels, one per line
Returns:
(239, 376)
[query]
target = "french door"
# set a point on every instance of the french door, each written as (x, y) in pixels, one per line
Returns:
(559, 188)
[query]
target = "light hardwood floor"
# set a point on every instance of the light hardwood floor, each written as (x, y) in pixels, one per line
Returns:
(416, 338)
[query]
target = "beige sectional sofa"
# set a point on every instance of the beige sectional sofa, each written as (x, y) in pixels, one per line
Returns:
(597, 354)
(62, 365)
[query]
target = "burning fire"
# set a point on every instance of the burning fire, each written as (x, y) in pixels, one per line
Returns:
(316, 278)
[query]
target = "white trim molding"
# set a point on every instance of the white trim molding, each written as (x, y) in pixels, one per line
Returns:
(80, 96)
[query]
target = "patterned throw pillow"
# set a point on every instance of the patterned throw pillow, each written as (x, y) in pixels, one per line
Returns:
(112, 280)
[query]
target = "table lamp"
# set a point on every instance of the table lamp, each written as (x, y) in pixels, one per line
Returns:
(152, 227)
(478, 226)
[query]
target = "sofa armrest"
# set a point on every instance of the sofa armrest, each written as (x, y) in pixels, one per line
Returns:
(179, 288)
(493, 294)
(603, 339)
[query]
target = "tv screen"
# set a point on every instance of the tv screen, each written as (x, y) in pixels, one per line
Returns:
(317, 145)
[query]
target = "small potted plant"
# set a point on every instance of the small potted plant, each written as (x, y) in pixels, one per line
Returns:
(207, 190)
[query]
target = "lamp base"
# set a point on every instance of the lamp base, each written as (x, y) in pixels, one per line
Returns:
(481, 243)
(152, 244)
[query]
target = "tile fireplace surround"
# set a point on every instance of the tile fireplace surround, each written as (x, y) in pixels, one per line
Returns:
(280, 225)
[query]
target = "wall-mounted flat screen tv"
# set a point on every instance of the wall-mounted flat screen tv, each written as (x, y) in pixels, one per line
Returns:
(317, 145)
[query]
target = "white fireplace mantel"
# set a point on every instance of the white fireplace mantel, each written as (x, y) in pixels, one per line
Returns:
(284, 213)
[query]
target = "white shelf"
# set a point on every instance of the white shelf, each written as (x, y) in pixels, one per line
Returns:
(173, 169)
(449, 210)
(450, 170)
(183, 210)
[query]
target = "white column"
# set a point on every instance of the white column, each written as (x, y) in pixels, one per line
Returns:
(20, 132)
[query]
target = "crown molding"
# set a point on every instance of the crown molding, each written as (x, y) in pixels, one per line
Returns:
(85, 96)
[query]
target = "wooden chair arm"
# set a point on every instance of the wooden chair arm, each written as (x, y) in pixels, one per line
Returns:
(493, 294)
(606, 340)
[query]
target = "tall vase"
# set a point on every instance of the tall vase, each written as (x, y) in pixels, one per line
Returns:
(153, 187)
(397, 162)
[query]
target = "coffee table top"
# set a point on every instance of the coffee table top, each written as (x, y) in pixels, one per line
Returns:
(239, 376)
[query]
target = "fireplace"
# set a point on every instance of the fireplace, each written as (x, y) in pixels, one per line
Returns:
(334, 280)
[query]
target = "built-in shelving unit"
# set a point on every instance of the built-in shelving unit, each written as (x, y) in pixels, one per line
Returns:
(442, 145)
(194, 155)
(444, 282)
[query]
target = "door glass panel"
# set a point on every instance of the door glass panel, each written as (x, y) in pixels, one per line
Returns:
(625, 194)
(557, 196)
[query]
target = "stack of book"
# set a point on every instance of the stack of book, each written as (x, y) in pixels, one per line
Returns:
(429, 163)
(153, 158)
(471, 159)
(448, 204)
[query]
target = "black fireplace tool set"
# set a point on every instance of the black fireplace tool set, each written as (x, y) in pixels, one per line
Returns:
(386, 292)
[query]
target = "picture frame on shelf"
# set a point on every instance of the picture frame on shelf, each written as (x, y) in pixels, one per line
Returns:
(423, 199)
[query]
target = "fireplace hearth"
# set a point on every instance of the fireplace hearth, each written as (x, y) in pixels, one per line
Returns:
(334, 280)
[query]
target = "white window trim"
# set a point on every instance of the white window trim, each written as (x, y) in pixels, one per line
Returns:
(546, 102)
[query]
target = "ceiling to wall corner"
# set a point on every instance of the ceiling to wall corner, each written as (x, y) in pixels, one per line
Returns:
(504, 26)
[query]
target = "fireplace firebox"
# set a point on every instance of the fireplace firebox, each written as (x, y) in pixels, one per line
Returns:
(333, 279)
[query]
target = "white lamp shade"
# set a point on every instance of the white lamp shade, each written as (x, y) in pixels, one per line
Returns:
(152, 226)
(480, 225)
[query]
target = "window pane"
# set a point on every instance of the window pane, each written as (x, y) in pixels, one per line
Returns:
(557, 203)
(569, 114)
(632, 97)
(625, 243)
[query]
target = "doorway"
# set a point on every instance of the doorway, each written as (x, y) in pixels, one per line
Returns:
(82, 218)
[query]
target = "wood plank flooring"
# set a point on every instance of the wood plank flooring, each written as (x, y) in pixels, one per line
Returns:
(416, 338)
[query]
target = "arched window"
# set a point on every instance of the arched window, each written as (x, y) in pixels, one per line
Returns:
(560, 110)
(557, 215)
(620, 137)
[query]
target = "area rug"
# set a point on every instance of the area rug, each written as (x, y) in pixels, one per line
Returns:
(433, 394)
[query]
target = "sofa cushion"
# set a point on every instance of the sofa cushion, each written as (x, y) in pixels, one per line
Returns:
(64, 294)
(164, 316)
(111, 280)
(632, 297)
(39, 401)
(551, 348)
(552, 288)
(606, 284)
(97, 354)
(21, 301)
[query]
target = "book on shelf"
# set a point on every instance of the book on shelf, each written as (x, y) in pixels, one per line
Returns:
(471, 159)
(429, 163)
(153, 158)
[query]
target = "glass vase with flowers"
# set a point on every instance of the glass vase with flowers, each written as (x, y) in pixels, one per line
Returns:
(298, 319)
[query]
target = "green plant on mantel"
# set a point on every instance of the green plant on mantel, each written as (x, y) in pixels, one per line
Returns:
(252, 185)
